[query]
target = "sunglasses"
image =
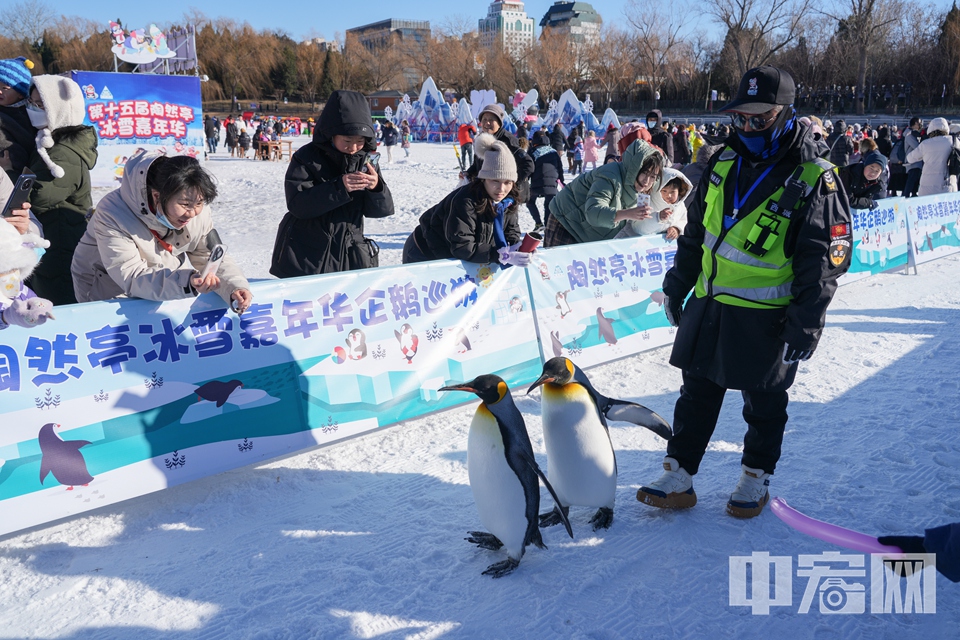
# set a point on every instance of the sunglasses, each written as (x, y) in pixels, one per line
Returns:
(756, 122)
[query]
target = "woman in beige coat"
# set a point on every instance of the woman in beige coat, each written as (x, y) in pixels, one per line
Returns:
(148, 239)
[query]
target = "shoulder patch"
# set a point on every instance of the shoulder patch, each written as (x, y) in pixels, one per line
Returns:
(715, 179)
(829, 181)
(841, 243)
(728, 154)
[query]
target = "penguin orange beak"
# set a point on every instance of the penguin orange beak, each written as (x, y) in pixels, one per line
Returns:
(541, 380)
(459, 387)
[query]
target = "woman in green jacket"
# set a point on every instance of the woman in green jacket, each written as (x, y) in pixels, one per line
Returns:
(598, 203)
(66, 151)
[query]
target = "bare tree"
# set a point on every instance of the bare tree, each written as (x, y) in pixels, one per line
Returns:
(310, 69)
(549, 64)
(862, 25)
(657, 30)
(78, 43)
(758, 29)
(608, 60)
(26, 20)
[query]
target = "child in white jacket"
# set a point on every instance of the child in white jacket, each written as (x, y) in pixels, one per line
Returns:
(670, 214)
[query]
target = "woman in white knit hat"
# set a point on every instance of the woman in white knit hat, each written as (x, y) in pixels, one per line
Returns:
(478, 221)
(933, 152)
(66, 151)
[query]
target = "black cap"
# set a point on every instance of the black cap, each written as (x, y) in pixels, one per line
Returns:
(762, 89)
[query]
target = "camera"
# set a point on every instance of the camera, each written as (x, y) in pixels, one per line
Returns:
(839, 596)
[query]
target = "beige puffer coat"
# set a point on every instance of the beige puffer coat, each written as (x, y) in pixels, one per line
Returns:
(118, 255)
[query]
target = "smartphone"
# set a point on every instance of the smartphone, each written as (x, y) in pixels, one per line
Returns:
(21, 193)
(643, 199)
(217, 251)
(374, 159)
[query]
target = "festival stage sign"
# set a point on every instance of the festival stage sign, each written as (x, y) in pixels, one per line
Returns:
(133, 111)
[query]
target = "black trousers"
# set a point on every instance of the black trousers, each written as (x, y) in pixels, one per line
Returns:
(534, 211)
(695, 419)
(913, 183)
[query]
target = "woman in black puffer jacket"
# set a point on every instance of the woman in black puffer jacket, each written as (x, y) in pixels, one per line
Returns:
(331, 186)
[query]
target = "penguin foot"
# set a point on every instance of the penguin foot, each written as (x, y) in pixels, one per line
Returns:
(554, 517)
(485, 540)
(602, 519)
(500, 569)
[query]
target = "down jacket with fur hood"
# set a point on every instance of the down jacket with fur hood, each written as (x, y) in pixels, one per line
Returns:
(120, 255)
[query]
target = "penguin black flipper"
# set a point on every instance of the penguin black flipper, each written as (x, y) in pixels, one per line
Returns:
(624, 411)
(518, 459)
(532, 462)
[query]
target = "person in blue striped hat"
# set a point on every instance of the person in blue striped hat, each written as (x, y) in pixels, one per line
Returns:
(16, 132)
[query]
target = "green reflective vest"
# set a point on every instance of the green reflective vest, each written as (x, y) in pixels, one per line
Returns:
(745, 265)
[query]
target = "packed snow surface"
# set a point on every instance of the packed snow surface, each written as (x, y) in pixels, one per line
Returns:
(365, 539)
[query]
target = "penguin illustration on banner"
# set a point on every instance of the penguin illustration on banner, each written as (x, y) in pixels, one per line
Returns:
(562, 303)
(581, 463)
(356, 345)
(503, 474)
(605, 327)
(408, 342)
(216, 391)
(556, 344)
(62, 458)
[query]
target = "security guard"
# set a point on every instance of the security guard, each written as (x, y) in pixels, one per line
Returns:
(767, 236)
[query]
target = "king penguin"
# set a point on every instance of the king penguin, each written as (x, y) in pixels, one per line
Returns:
(503, 474)
(581, 462)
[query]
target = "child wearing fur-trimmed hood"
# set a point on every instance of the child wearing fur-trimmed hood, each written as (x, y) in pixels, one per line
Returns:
(670, 213)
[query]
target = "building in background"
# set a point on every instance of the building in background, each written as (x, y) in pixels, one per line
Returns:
(579, 21)
(378, 34)
(508, 26)
(323, 44)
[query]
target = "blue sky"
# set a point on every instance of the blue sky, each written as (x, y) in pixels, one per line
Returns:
(302, 18)
(299, 17)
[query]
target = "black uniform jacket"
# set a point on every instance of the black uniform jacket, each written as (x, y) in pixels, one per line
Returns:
(742, 348)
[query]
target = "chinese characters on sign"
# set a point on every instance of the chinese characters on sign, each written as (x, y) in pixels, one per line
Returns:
(837, 582)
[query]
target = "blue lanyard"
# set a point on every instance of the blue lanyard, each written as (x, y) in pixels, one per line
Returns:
(738, 202)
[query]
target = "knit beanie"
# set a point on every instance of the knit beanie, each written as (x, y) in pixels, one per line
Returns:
(875, 157)
(15, 251)
(498, 162)
(63, 103)
(494, 109)
(15, 72)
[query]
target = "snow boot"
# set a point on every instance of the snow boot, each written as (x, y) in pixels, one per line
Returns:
(674, 489)
(751, 494)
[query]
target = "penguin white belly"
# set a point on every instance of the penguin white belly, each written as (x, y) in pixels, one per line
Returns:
(496, 487)
(580, 459)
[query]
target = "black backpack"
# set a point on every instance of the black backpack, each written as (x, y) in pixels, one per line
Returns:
(953, 160)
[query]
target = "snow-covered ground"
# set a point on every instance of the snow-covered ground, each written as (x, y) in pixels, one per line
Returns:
(365, 539)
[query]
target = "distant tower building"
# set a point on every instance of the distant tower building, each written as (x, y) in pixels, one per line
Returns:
(507, 25)
(578, 20)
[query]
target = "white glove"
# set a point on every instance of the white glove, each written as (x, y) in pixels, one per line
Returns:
(514, 258)
(28, 313)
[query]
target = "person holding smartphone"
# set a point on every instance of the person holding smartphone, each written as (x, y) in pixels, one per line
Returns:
(331, 185)
(598, 204)
(148, 239)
